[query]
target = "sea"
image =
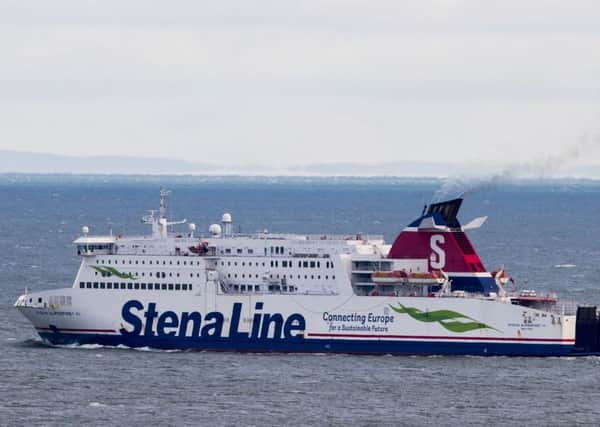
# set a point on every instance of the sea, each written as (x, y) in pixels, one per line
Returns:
(546, 234)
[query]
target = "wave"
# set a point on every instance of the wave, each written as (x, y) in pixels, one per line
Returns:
(565, 266)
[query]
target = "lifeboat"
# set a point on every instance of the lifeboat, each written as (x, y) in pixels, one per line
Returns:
(426, 277)
(395, 276)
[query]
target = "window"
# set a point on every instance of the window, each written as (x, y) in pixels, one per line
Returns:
(130, 286)
(95, 285)
(82, 284)
(305, 264)
(136, 285)
(177, 286)
(284, 263)
(102, 285)
(312, 264)
(239, 251)
(164, 286)
(190, 286)
(123, 285)
(157, 286)
(184, 286)
(170, 286)
(150, 286)
(109, 285)
(250, 251)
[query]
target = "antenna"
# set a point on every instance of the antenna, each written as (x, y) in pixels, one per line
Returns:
(163, 202)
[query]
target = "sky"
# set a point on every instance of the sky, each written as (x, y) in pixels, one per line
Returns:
(295, 83)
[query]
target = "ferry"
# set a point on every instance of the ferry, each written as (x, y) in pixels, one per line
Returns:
(428, 293)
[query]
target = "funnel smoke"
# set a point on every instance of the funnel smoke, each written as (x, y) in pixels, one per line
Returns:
(541, 168)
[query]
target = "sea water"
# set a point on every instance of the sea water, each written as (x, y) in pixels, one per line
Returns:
(547, 236)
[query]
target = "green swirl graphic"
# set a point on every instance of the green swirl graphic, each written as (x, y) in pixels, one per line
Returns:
(110, 271)
(446, 318)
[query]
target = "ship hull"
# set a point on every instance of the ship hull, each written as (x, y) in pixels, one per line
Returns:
(344, 346)
(299, 323)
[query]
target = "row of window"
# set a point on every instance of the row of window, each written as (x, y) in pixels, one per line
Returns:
(257, 288)
(158, 274)
(143, 286)
(238, 251)
(274, 250)
(284, 276)
(143, 262)
(284, 264)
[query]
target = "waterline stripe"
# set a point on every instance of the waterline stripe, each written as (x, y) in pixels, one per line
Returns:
(437, 337)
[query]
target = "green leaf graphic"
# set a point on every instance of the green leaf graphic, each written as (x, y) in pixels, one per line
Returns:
(443, 317)
(110, 271)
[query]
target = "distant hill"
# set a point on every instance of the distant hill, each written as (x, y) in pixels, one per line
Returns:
(41, 163)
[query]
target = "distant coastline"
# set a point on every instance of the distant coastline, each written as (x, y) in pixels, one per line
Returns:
(18, 162)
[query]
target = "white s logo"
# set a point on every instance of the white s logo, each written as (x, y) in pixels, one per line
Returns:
(437, 259)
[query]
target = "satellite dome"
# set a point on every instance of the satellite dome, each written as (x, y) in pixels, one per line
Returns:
(226, 217)
(85, 229)
(192, 226)
(214, 229)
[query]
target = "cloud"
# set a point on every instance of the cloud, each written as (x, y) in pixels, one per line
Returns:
(295, 82)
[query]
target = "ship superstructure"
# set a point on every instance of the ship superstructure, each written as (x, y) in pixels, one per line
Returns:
(427, 293)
